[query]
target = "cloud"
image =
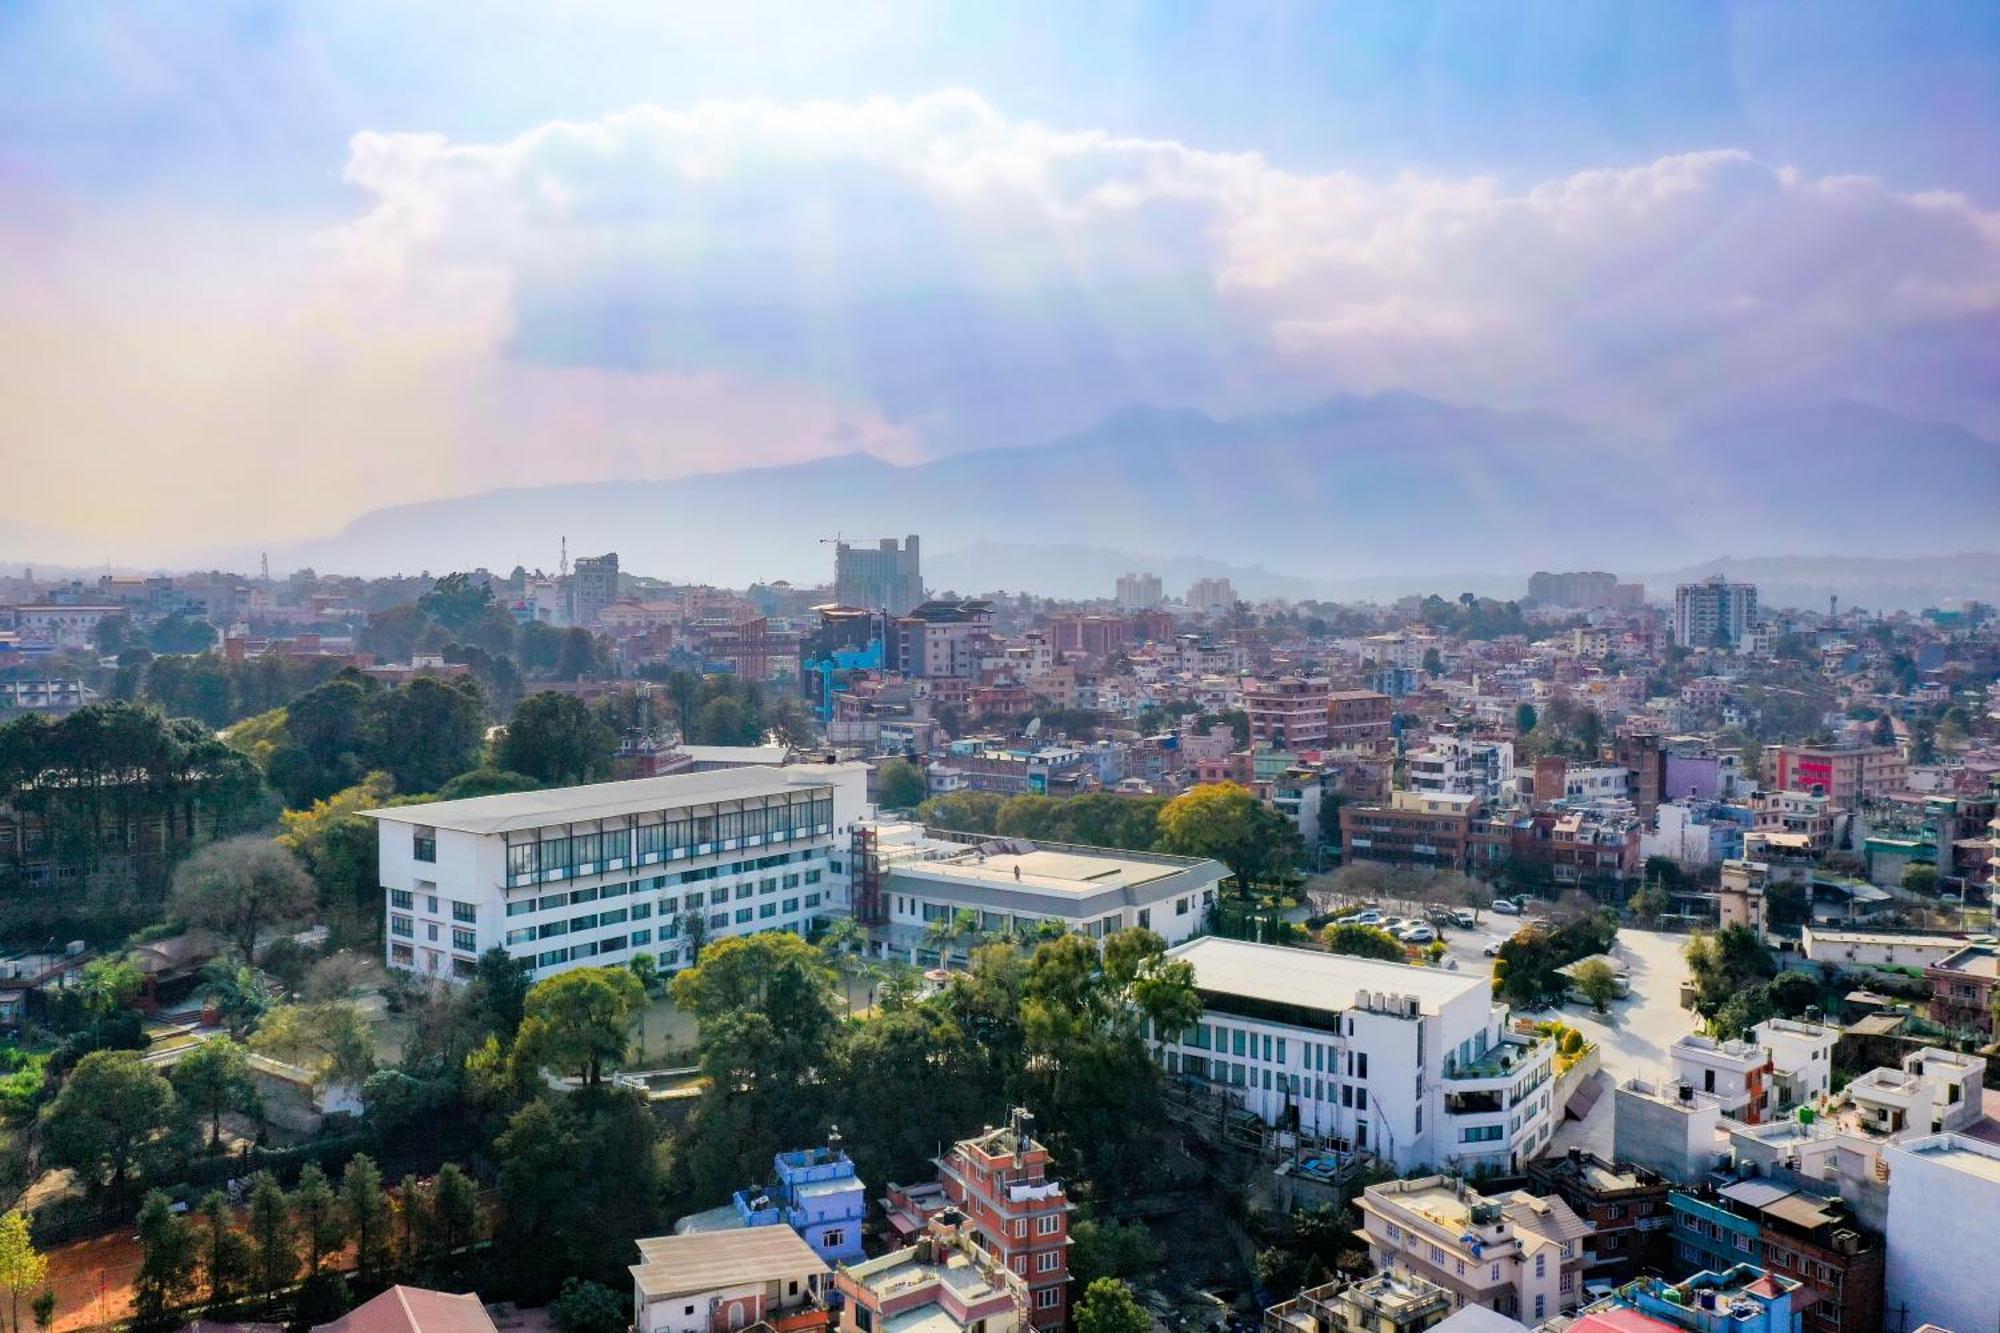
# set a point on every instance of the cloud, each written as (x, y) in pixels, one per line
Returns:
(977, 277)
(662, 291)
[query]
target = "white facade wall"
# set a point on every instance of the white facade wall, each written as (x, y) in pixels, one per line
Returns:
(1944, 1213)
(915, 901)
(1377, 1077)
(443, 913)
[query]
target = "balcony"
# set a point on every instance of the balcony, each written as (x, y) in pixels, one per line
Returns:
(1515, 1053)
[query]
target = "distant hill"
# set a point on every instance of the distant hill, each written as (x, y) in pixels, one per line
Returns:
(1394, 486)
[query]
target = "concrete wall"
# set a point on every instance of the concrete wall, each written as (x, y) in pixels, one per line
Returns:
(1678, 1143)
(1941, 1228)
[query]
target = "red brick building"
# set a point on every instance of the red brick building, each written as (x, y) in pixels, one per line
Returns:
(1000, 1181)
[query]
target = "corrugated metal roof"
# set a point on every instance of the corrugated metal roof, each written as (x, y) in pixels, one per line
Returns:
(713, 1260)
(514, 811)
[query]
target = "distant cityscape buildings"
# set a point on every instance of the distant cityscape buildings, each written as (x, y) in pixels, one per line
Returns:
(1210, 595)
(883, 577)
(1139, 592)
(1714, 613)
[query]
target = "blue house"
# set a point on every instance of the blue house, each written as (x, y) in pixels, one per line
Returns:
(816, 1193)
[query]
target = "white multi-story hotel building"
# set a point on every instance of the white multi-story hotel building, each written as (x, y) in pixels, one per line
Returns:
(583, 876)
(1415, 1065)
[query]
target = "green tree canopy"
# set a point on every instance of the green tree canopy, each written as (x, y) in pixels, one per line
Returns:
(582, 1020)
(109, 1110)
(1227, 822)
(556, 740)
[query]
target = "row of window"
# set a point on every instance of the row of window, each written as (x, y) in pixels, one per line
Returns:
(778, 816)
(405, 900)
(549, 902)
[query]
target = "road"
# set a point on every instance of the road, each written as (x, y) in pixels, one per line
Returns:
(1633, 1038)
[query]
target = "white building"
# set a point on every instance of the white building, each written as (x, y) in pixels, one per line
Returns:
(1456, 766)
(1735, 1073)
(1413, 1064)
(1944, 1213)
(1012, 886)
(1935, 1092)
(726, 1281)
(1514, 1254)
(1714, 613)
(1801, 1060)
(583, 876)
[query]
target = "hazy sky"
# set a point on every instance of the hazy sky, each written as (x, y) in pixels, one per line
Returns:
(265, 266)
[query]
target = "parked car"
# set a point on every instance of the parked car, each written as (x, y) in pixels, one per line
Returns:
(1463, 919)
(1505, 908)
(1492, 949)
(1365, 919)
(1417, 934)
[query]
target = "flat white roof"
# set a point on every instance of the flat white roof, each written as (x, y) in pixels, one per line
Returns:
(1066, 872)
(1308, 977)
(514, 811)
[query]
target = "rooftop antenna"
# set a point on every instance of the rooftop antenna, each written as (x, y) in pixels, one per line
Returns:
(264, 565)
(563, 568)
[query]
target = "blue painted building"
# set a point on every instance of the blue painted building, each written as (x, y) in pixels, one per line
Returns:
(816, 1192)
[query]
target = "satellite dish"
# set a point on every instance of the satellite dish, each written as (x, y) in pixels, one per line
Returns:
(1033, 729)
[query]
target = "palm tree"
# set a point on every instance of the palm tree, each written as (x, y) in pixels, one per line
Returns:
(239, 994)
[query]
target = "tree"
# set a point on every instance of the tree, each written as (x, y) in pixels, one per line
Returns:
(274, 1241)
(170, 1255)
(1227, 822)
(368, 1217)
(556, 740)
(587, 1307)
(1598, 983)
(900, 785)
(456, 602)
(435, 728)
(212, 1078)
(582, 1019)
(725, 720)
(45, 1310)
(21, 1267)
(110, 1108)
(319, 1217)
(241, 887)
(502, 983)
(1125, 1250)
(108, 985)
(225, 1255)
(1524, 719)
(454, 1209)
(1792, 992)
(331, 1038)
(1363, 941)
(1920, 878)
(1108, 1306)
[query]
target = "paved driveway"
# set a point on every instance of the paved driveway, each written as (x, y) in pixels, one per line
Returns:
(1633, 1038)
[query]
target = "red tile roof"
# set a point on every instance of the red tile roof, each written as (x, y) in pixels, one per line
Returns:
(414, 1310)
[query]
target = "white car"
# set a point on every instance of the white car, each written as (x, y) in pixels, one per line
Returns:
(1505, 908)
(1417, 934)
(1492, 949)
(1365, 919)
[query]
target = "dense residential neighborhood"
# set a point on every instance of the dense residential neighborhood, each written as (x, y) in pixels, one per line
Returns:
(637, 951)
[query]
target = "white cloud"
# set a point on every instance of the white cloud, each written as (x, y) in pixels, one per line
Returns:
(664, 291)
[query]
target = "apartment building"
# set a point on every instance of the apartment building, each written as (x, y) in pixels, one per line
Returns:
(1668, 1128)
(944, 1282)
(814, 1191)
(727, 1281)
(1139, 592)
(1934, 1092)
(1414, 1065)
(1381, 1303)
(590, 875)
(1514, 1254)
(999, 1182)
(1801, 1057)
(1736, 1073)
(1358, 717)
(1714, 613)
(1288, 713)
(1844, 774)
(1421, 828)
(1789, 1233)
(884, 577)
(909, 879)
(1944, 1212)
(1798, 812)
(1962, 988)
(1625, 1205)
(1740, 1299)
(1461, 766)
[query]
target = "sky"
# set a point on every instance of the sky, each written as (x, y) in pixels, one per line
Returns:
(267, 266)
